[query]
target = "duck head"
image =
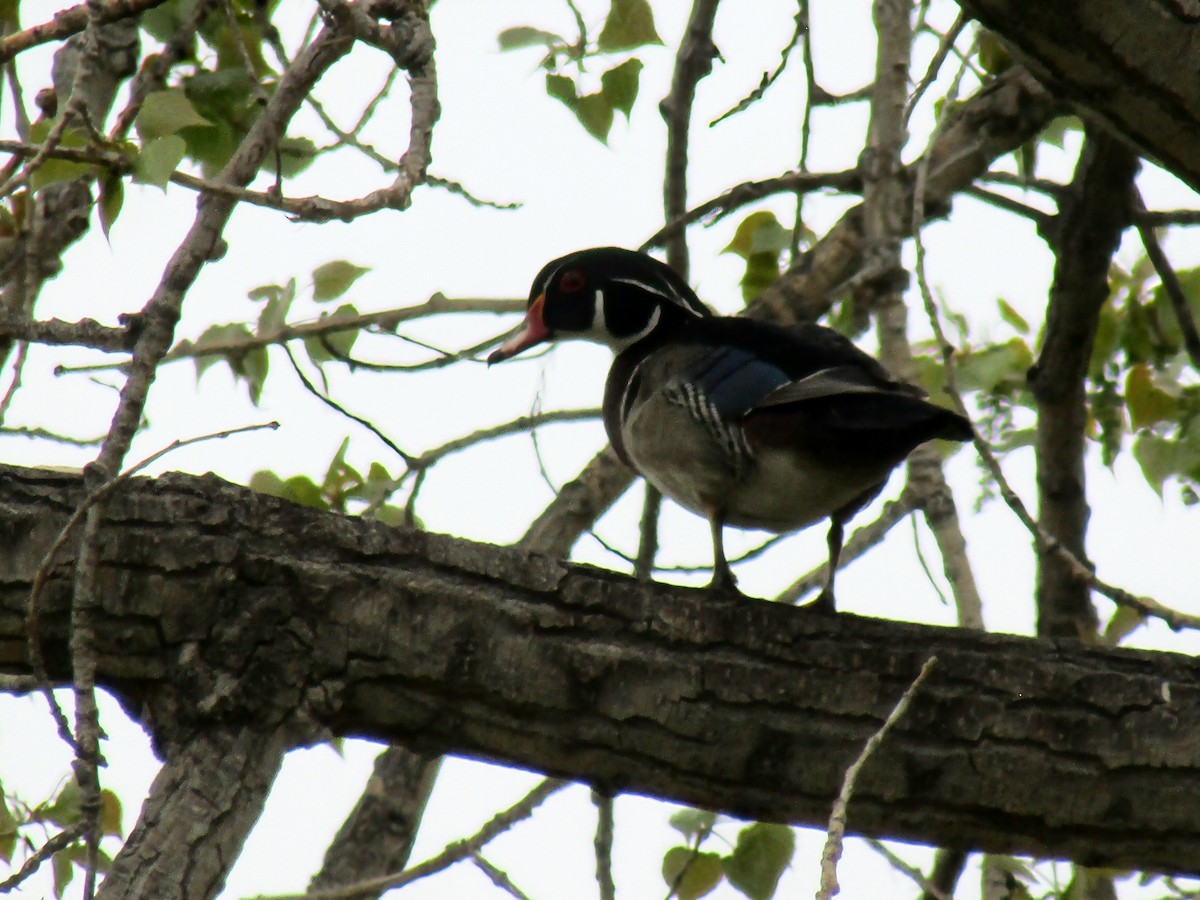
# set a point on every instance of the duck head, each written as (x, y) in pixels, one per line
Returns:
(608, 295)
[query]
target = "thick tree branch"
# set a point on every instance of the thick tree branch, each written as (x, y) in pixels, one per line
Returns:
(1094, 211)
(1118, 61)
(377, 837)
(212, 593)
(203, 803)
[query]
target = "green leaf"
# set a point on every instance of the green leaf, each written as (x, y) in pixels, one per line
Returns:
(1055, 133)
(161, 22)
(158, 160)
(393, 516)
(1106, 341)
(303, 490)
(1163, 310)
(693, 823)
(64, 870)
(253, 366)
(1148, 403)
(1158, 457)
(1107, 409)
(763, 851)
(8, 844)
(295, 155)
(993, 55)
(166, 112)
(64, 810)
(273, 316)
(52, 170)
(691, 874)
(526, 36)
(619, 85)
(333, 279)
(267, 482)
(595, 113)
(562, 88)
(340, 342)
(1124, 622)
(112, 198)
(1012, 317)
(8, 822)
(630, 24)
(759, 232)
(217, 334)
(759, 239)
(999, 368)
(110, 813)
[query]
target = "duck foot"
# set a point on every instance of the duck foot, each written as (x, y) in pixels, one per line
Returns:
(824, 605)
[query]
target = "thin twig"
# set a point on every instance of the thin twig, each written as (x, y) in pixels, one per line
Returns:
(514, 426)
(453, 853)
(769, 78)
(935, 64)
(1170, 281)
(836, 831)
(914, 874)
(15, 384)
(692, 63)
(407, 458)
(60, 841)
(604, 845)
(738, 196)
(498, 877)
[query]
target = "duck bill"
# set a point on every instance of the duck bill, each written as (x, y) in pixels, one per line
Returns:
(534, 331)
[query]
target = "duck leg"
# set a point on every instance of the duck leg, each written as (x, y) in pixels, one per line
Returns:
(837, 528)
(723, 579)
(825, 602)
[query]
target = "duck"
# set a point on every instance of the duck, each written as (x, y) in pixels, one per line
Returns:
(746, 423)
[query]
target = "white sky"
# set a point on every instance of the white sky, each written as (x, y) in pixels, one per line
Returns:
(503, 138)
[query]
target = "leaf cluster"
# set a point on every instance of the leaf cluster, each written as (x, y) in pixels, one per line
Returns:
(628, 26)
(759, 855)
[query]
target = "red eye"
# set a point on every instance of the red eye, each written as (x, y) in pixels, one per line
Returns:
(572, 282)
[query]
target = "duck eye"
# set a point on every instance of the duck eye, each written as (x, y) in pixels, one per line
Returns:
(572, 282)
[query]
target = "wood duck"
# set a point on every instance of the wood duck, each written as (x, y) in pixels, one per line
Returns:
(743, 422)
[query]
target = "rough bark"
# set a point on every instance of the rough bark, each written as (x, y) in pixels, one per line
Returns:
(1119, 61)
(225, 610)
(1095, 210)
(377, 837)
(202, 805)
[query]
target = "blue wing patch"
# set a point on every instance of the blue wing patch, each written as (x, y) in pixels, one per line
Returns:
(734, 380)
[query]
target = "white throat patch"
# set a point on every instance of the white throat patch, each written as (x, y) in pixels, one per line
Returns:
(602, 334)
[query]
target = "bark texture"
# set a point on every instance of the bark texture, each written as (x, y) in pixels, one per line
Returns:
(227, 612)
(204, 801)
(1095, 209)
(1119, 61)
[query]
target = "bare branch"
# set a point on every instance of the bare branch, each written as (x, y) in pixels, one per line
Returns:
(1170, 281)
(455, 852)
(837, 816)
(930, 891)
(71, 21)
(692, 63)
(604, 845)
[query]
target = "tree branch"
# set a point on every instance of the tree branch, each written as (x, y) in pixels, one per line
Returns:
(211, 591)
(1085, 52)
(1094, 211)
